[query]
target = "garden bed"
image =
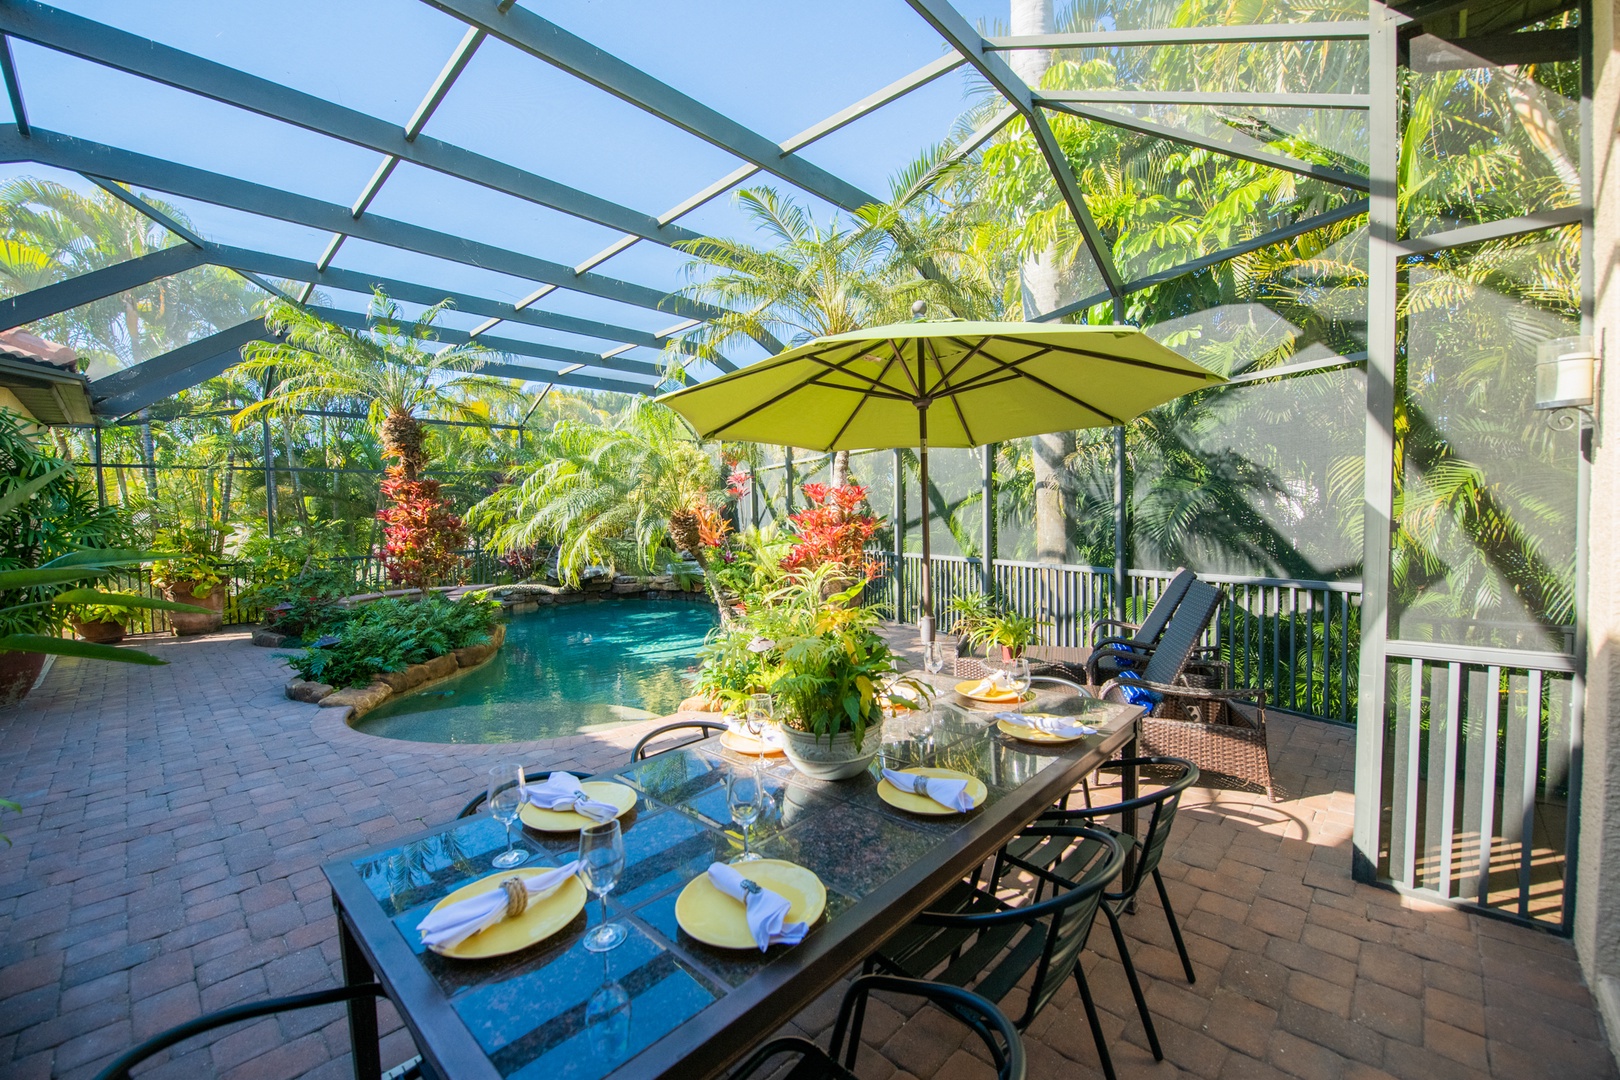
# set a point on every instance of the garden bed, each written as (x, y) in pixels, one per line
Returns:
(362, 699)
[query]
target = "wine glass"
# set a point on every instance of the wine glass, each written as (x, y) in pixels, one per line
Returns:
(745, 797)
(505, 801)
(1017, 669)
(933, 657)
(601, 861)
(760, 712)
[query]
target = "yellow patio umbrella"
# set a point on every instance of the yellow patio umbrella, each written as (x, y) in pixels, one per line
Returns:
(931, 384)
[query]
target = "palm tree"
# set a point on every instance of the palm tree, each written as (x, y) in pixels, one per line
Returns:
(613, 495)
(814, 280)
(390, 369)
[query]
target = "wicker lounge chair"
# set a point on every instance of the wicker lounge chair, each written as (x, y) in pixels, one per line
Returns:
(1113, 653)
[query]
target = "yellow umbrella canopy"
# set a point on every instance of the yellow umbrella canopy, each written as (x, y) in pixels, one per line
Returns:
(929, 384)
(937, 384)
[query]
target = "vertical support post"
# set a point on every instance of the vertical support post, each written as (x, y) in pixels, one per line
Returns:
(987, 499)
(101, 475)
(899, 537)
(1378, 462)
(925, 615)
(790, 482)
(1121, 580)
(269, 479)
(753, 496)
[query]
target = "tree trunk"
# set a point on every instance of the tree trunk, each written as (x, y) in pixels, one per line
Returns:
(225, 488)
(1041, 288)
(840, 468)
(292, 468)
(148, 454)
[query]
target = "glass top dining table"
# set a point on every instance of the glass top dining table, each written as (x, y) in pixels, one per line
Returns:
(687, 1009)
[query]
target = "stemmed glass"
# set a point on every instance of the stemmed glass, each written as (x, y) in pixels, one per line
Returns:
(745, 796)
(505, 801)
(601, 861)
(1017, 669)
(933, 657)
(760, 711)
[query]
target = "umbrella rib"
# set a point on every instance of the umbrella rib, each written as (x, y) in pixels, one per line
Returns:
(858, 405)
(945, 376)
(898, 355)
(1201, 376)
(944, 383)
(1043, 383)
(814, 380)
(970, 384)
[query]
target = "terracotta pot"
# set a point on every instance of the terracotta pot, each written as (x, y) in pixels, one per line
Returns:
(18, 670)
(188, 623)
(834, 758)
(101, 632)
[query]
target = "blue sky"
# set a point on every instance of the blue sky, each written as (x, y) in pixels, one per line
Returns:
(775, 67)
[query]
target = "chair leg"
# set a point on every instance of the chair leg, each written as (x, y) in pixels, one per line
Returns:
(1175, 930)
(1096, 1025)
(1136, 985)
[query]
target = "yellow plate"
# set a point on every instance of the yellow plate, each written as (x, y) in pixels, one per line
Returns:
(1006, 698)
(922, 804)
(714, 918)
(540, 919)
(572, 820)
(742, 742)
(1034, 735)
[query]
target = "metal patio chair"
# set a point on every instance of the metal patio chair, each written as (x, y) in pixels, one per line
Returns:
(705, 729)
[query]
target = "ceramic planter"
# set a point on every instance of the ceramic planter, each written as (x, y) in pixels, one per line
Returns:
(835, 758)
(185, 622)
(18, 672)
(100, 632)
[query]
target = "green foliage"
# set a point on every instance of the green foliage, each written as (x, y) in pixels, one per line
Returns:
(750, 567)
(92, 613)
(389, 634)
(191, 558)
(604, 495)
(819, 654)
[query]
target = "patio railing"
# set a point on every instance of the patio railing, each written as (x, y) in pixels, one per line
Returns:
(1297, 639)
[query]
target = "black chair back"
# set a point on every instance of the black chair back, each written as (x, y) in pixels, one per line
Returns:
(1073, 911)
(703, 728)
(1158, 618)
(1186, 628)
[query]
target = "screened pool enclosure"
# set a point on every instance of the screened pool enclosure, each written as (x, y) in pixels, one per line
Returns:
(1368, 217)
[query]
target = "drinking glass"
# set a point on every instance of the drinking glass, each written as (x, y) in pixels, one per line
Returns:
(1017, 670)
(601, 861)
(933, 657)
(745, 796)
(760, 711)
(505, 801)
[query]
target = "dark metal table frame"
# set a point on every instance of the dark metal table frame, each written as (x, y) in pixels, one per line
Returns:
(373, 948)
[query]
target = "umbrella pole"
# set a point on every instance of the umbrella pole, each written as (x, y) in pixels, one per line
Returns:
(925, 624)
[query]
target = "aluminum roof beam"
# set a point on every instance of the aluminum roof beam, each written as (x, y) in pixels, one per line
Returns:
(8, 66)
(961, 36)
(1275, 236)
(67, 152)
(525, 30)
(114, 48)
(1189, 35)
(1200, 97)
(98, 284)
(359, 281)
(1259, 157)
(136, 387)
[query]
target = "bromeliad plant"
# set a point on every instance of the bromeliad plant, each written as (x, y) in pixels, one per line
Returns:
(819, 654)
(833, 531)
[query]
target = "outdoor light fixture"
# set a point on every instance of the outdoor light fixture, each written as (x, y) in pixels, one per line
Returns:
(1566, 378)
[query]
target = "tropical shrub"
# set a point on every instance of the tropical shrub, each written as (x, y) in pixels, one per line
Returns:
(525, 562)
(833, 530)
(191, 558)
(387, 635)
(819, 654)
(422, 534)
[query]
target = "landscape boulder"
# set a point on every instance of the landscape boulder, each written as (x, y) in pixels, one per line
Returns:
(359, 698)
(440, 666)
(304, 690)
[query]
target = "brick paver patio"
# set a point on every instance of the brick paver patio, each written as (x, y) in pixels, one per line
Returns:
(166, 862)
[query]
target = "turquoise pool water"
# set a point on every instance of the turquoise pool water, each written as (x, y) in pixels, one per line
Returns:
(563, 670)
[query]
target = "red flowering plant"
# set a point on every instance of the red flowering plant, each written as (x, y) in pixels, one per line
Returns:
(834, 529)
(421, 533)
(737, 481)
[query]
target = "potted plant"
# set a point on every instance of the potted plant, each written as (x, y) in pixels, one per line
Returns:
(101, 623)
(825, 663)
(191, 572)
(971, 612)
(1006, 636)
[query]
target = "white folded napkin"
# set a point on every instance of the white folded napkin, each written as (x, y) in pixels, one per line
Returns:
(562, 791)
(769, 734)
(1064, 726)
(455, 923)
(766, 911)
(997, 682)
(951, 794)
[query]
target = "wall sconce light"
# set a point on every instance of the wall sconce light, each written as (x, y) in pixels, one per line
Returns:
(1566, 379)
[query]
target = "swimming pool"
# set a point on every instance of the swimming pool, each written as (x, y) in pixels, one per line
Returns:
(563, 670)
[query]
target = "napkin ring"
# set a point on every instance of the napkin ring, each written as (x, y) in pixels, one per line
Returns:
(919, 786)
(517, 896)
